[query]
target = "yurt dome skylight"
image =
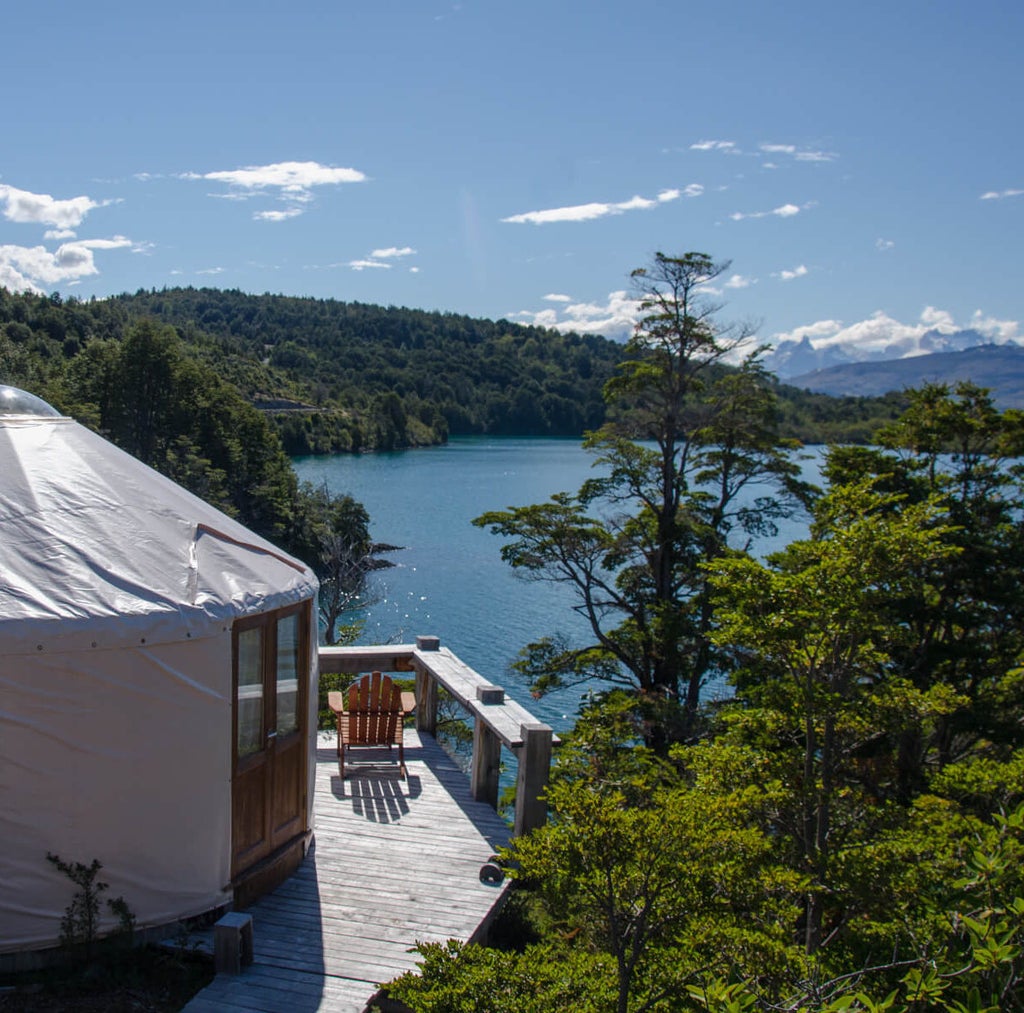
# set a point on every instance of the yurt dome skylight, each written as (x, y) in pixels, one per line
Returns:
(19, 402)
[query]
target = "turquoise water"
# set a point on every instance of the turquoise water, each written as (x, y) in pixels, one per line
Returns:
(449, 579)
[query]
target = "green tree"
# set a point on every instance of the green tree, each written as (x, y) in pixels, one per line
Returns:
(153, 399)
(457, 978)
(333, 536)
(813, 624)
(146, 407)
(783, 862)
(968, 634)
(686, 439)
(668, 886)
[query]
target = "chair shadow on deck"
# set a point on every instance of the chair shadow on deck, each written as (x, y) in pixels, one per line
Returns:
(376, 791)
(379, 794)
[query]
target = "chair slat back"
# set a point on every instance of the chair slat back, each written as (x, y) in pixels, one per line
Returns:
(374, 710)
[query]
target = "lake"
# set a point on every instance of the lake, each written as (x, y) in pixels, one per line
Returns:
(449, 579)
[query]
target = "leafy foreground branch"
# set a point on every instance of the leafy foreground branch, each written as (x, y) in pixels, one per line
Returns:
(683, 905)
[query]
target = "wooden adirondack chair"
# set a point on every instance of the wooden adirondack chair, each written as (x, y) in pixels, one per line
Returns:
(370, 716)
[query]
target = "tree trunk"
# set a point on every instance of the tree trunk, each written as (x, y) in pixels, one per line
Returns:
(819, 825)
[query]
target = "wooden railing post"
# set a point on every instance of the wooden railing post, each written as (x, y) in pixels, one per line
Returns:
(534, 765)
(486, 765)
(426, 690)
(426, 702)
(485, 769)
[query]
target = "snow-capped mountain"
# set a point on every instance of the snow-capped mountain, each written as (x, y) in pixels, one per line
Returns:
(792, 358)
(999, 368)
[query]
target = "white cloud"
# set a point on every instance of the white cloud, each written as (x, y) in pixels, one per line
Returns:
(379, 258)
(877, 332)
(588, 212)
(277, 216)
(636, 203)
(591, 311)
(784, 211)
(615, 318)
(884, 244)
(211, 270)
(59, 234)
(674, 193)
(557, 297)
(12, 279)
(1001, 194)
(728, 146)
(937, 319)
(881, 331)
(116, 243)
(882, 334)
(293, 181)
(27, 268)
(739, 281)
(800, 154)
(392, 251)
(997, 330)
(576, 213)
(40, 208)
(540, 318)
(798, 272)
(822, 328)
(289, 177)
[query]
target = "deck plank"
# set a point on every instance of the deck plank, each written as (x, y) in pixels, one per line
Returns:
(395, 862)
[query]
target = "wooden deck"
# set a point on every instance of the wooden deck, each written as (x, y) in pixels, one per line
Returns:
(395, 862)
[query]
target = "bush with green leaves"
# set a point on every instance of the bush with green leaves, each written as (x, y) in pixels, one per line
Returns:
(79, 928)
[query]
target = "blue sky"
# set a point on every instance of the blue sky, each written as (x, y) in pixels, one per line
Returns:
(860, 164)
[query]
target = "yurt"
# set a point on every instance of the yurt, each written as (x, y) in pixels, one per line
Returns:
(158, 687)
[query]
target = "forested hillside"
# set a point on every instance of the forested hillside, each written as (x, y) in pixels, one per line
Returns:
(337, 377)
(399, 377)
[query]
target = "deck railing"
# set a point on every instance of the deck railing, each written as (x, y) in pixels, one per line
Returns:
(498, 721)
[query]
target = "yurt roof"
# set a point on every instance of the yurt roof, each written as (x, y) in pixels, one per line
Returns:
(97, 550)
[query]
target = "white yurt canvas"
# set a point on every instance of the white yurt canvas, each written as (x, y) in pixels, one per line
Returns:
(157, 684)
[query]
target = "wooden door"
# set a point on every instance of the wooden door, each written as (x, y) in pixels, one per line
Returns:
(268, 797)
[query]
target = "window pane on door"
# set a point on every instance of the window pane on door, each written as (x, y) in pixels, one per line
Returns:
(250, 691)
(288, 668)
